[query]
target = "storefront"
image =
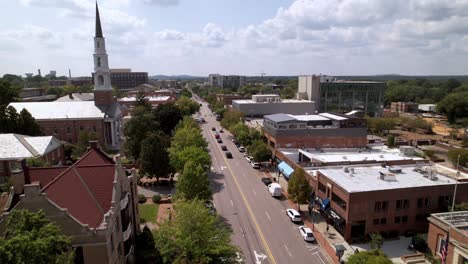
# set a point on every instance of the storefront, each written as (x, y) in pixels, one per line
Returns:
(338, 221)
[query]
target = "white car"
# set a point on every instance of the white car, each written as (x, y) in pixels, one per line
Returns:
(293, 215)
(248, 158)
(307, 234)
(241, 149)
(255, 164)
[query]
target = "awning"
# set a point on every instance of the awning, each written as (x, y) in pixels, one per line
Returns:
(338, 219)
(285, 169)
(318, 200)
(325, 204)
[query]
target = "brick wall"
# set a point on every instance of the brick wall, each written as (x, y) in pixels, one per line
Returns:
(68, 130)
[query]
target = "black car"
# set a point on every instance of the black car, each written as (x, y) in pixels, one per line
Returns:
(223, 147)
(213, 129)
(220, 140)
(228, 155)
(267, 181)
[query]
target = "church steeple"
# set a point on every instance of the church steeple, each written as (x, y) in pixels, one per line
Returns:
(98, 23)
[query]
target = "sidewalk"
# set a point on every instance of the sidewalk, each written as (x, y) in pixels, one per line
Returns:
(318, 225)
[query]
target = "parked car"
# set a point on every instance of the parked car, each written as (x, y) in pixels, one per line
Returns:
(241, 149)
(213, 129)
(202, 120)
(275, 189)
(223, 147)
(255, 165)
(221, 130)
(267, 181)
(228, 154)
(216, 135)
(220, 140)
(293, 215)
(307, 234)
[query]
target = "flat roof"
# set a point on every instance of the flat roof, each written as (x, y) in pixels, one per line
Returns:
(311, 118)
(367, 178)
(457, 219)
(60, 110)
(250, 101)
(332, 116)
(150, 98)
(357, 156)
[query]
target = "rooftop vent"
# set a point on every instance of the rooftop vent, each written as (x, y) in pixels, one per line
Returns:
(394, 169)
(346, 169)
(388, 177)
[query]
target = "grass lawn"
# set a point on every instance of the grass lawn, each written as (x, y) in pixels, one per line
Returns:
(149, 212)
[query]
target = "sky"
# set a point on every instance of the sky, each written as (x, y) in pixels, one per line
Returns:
(246, 37)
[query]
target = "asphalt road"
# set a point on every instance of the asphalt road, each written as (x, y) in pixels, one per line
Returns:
(259, 222)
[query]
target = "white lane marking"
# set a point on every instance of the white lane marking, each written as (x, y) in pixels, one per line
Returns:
(319, 257)
(258, 256)
(222, 167)
(232, 203)
(311, 248)
(287, 249)
(242, 232)
(268, 216)
(254, 192)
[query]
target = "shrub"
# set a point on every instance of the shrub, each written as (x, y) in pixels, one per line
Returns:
(141, 198)
(156, 198)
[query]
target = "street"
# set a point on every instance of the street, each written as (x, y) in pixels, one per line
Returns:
(259, 222)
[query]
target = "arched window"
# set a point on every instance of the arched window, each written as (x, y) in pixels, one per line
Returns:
(99, 61)
(101, 80)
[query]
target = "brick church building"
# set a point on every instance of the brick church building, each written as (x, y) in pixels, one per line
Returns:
(103, 116)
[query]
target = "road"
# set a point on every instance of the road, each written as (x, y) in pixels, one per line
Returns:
(259, 222)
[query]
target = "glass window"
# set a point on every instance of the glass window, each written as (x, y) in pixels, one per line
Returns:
(99, 61)
(383, 221)
(404, 219)
(322, 187)
(397, 219)
(340, 202)
(376, 221)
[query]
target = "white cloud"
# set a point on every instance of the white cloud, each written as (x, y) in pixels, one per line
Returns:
(162, 2)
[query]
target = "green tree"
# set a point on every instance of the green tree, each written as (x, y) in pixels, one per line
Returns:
(191, 153)
(12, 117)
(195, 236)
(32, 238)
(141, 123)
(141, 101)
(391, 141)
(231, 118)
(145, 249)
(36, 162)
(376, 241)
(187, 137)
(369, 257)
(453, 156)
(154, 158)
(27, 125)
(299, 189)
(187, 106)
(186, 93)
(84, 137)
(454, 105)
(8, 92)
(167, 115)
(259, 151)
(463, 206)
(193, 183)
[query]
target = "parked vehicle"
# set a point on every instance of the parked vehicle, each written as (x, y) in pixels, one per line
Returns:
(210, 206)
(202, 120)
(255, 164)
(307, 234)
(221, 130)
(223, 147)
(213, 129)
(228, 155)
(241, 149)
(275, 189)
(217, 136)
(294, 215)
(220, 141)
(267, 181)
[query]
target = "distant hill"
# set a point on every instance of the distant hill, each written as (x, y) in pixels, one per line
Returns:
(176, 77)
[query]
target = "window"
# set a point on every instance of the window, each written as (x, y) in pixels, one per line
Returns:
(99, 61)
(441, 244)
(397, 219)
(322, 188)
(381, 206)
(421, 217)
(376, 221)
(112, 243)
(340, 202)
(404, 219)
(444, 201)
(68, 129)
(94, 128)
(81, 127)
(383, 221)
(294, 126)
(98, 44)
(100, 80)
(55, 130)
(282, 127)
(424, 202)
(402, 204)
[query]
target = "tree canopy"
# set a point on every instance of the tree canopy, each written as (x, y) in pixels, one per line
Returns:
(193, 183)
(454, 105)
(453, 156)
(191, 153)
(167, 115)
(299, 189)
(154, 158)
(187, 106)
(259, 151)
(369, 257)
(141, 123)
(22, 123)
(9, 92)
(195, 236)
(32, 238)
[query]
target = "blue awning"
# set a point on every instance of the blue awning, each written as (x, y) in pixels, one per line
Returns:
(325, 204)
(285, 169)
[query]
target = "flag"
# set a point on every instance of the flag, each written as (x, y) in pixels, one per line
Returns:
(444, 250)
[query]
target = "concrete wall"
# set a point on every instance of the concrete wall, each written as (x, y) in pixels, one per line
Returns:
(261, 109)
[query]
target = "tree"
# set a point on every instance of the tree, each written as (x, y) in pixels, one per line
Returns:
(32, 238)
(195, 236)
(376, 241)
(191, 153)
(142, 101)
(391, 141)
(27, 125)
(454, 105)
(84, 137)
(141, 123)
(193, 183)
(299, 189)
(8, 92)
(187, 106)
(36, 162)
(186, 137)
(463, 206)
(145, 249)
(259, 151)
(185, 93)
(167, 115)
(369, 257)
(453, 156)
(231, 118)
(154, 158)
(12, 120)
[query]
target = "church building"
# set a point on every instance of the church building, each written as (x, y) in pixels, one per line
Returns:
(103, 116)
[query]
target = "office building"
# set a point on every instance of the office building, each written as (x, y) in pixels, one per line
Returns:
(232, 82)
(125, 79)
(267, 104)
(314, 131)
(227, 98)
(332, 95)
(451, 225)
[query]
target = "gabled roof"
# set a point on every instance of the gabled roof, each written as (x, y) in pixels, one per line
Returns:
(61, 110)
(16, 146)
(85, 189)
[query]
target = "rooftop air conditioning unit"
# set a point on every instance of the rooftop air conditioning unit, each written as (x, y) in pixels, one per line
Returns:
(394, 169)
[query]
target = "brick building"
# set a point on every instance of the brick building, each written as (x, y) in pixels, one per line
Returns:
(15, 148)
(404, 107)
(314, 131)
(153, 98)
(94, 202)
(103, 116)
(455, 226)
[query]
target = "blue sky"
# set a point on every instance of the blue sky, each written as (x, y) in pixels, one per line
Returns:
(198, 37)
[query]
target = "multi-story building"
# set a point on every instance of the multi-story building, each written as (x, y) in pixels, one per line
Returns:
(125, 79)
(403, 107)
(314, 131)
(332, 95)
(94, 202)
(154, 98)
(35, 95)
(103, 116)
(15, 148)
(451, 225)
(226, 81)
(267, 104)
(227, 98)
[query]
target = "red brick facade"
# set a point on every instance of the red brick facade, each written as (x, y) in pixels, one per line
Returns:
(103, 97)
(316, 141)
(69, 130)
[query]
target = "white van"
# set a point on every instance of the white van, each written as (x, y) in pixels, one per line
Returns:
(275, 189)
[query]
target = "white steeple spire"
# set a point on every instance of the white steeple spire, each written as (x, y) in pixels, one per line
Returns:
(101, 65)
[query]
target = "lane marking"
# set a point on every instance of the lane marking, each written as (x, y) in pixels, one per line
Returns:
(232, 203)
(319, 257)
(287, 249)
(258, 256)
(249, 209)
(268, 216)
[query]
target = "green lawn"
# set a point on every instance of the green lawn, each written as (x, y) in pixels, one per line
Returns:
(149, 212)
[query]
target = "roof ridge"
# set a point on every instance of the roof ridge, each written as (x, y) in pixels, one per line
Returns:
(90, 193)
(58, 177)
(96, 165)
(22, 140)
